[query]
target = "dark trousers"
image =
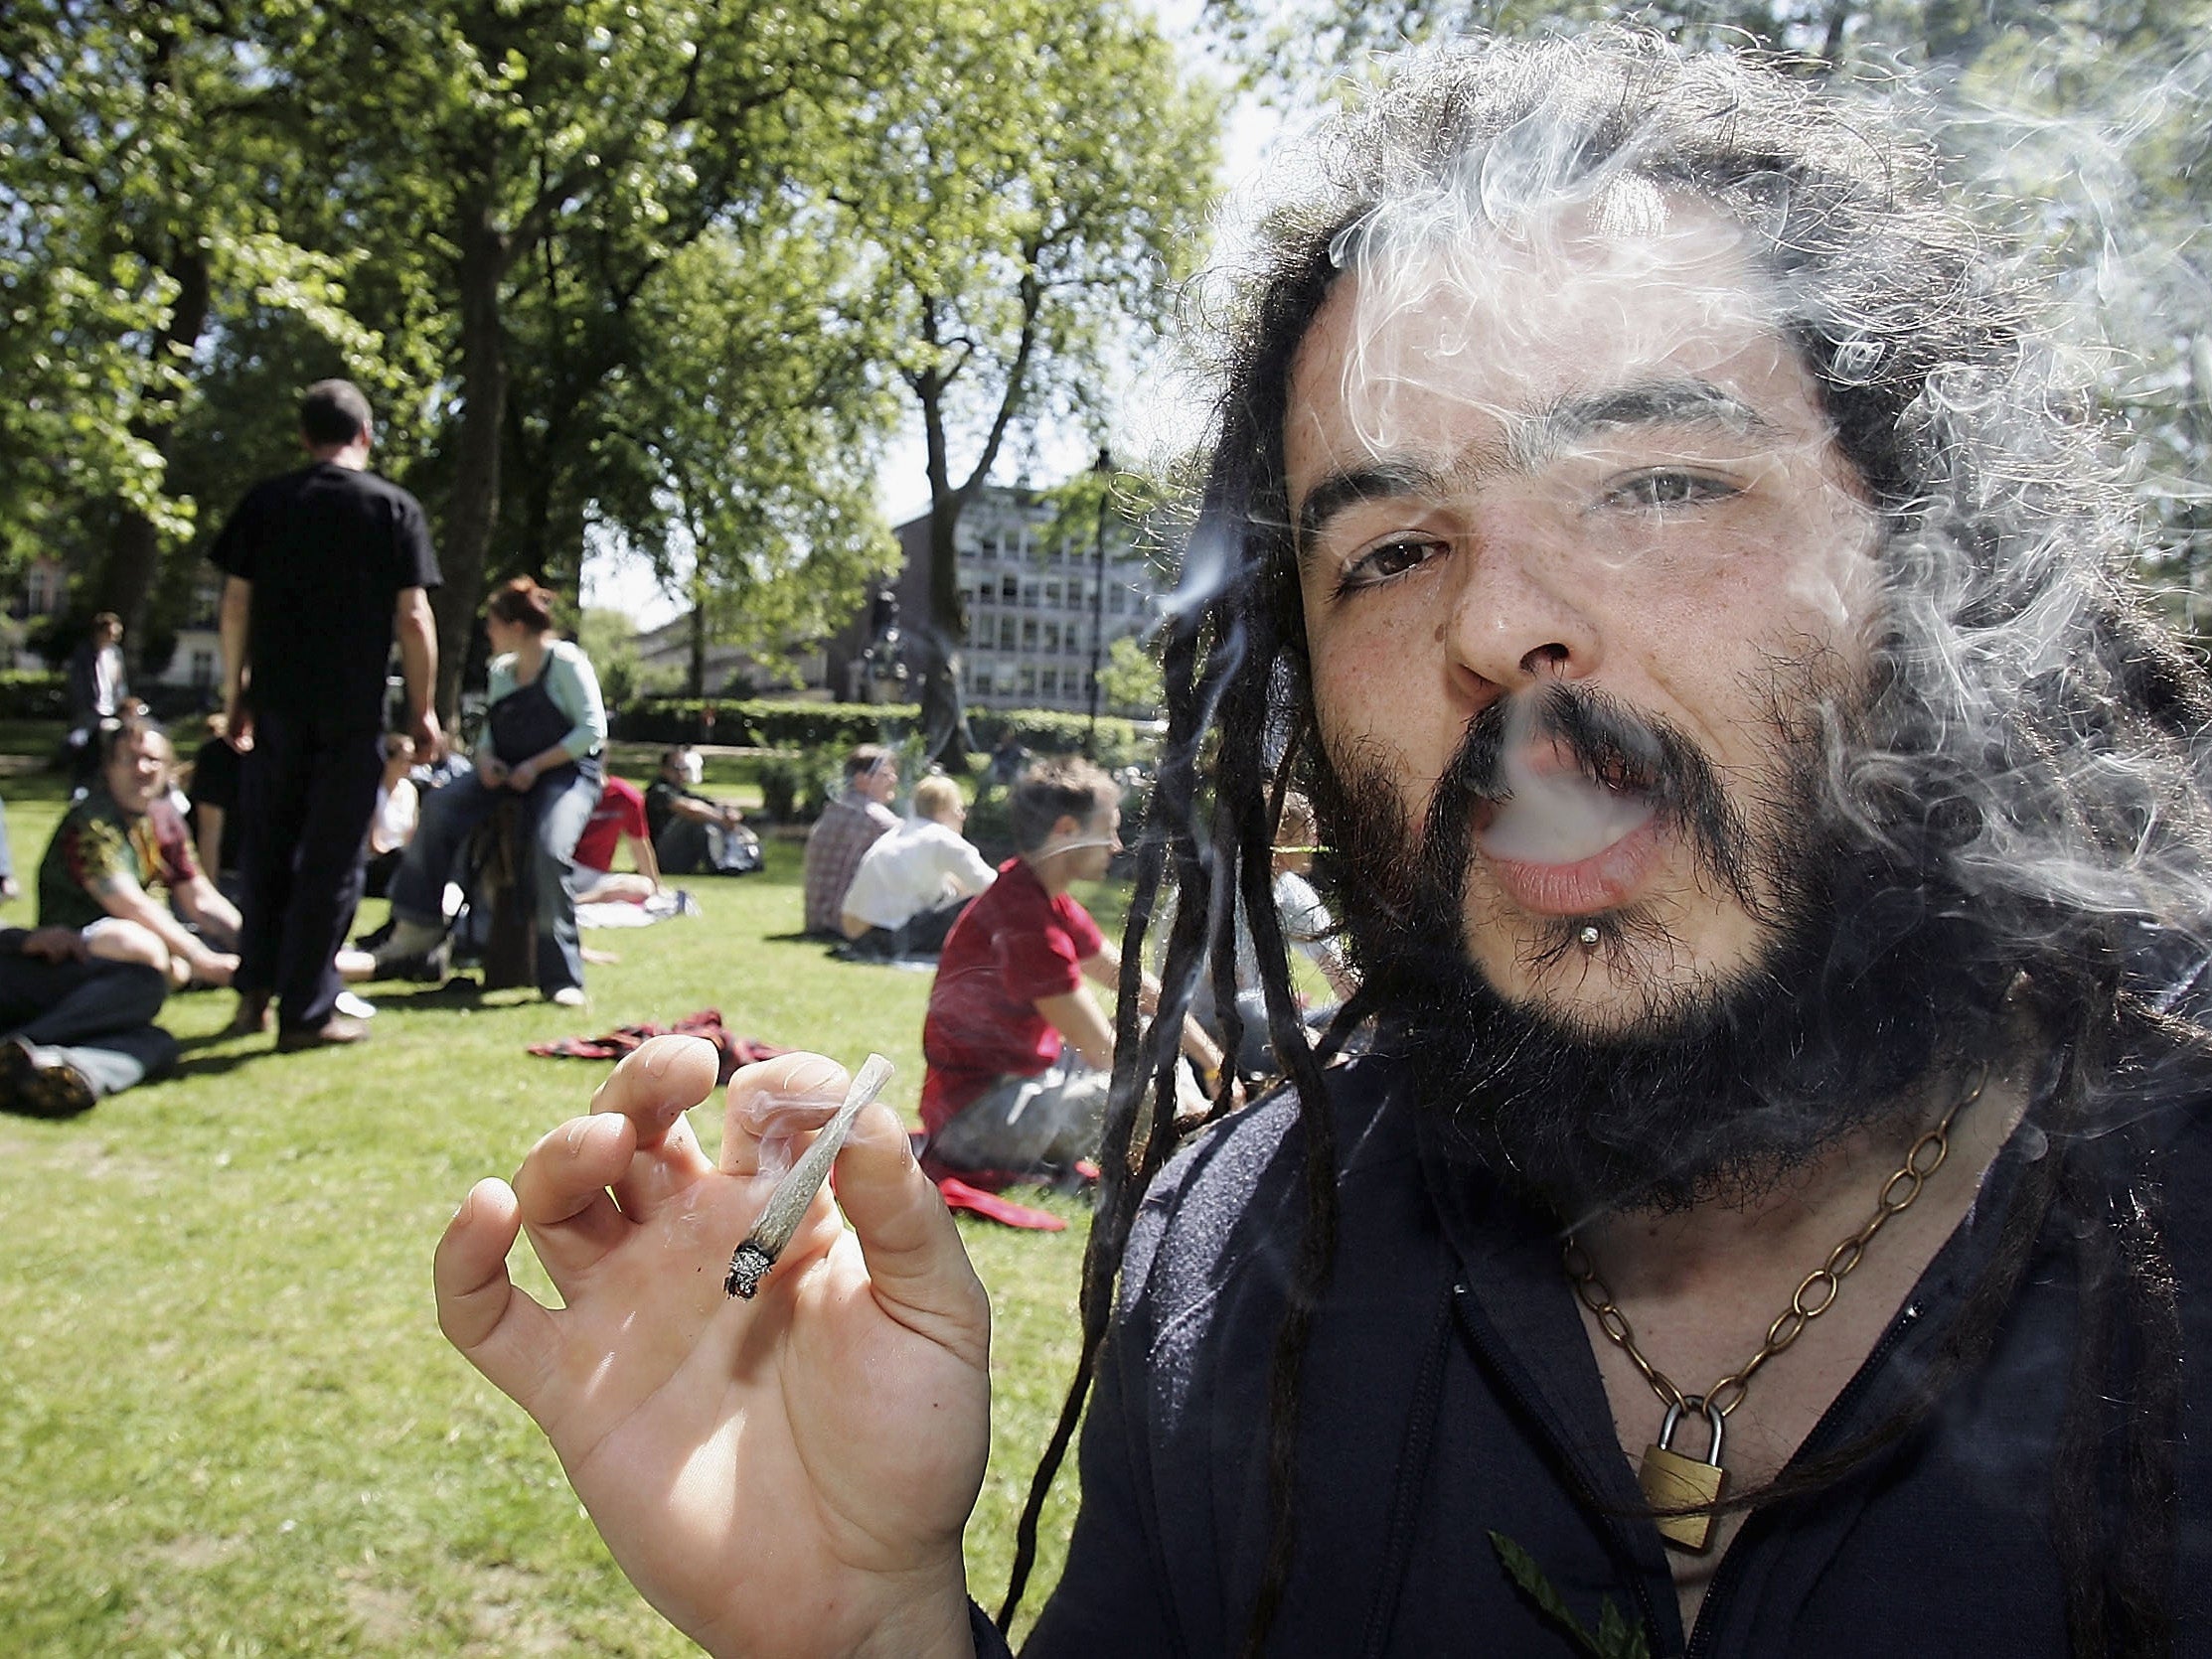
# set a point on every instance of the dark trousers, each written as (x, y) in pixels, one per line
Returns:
(921, 935)
(559, 803)
(306, 791)
(99, 1014)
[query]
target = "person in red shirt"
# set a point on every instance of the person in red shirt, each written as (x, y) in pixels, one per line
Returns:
(1018, 1052)
(619, 818)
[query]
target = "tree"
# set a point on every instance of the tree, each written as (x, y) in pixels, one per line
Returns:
(1131, 679)
(496, 148)
(754, 400)
(1033, 185)
(145, 175)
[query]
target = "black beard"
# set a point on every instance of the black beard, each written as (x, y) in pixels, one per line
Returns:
(1720, 1087)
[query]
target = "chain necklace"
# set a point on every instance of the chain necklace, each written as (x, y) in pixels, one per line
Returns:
(1674, 1483)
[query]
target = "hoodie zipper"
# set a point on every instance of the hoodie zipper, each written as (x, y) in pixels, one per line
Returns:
(1702, 1638)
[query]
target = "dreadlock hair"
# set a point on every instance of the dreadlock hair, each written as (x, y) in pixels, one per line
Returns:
(2032, 745)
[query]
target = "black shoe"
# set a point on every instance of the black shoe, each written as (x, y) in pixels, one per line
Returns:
(55, 1089)
(334, 1032)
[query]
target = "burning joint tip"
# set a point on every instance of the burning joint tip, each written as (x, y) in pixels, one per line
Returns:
(787, 1204)
(748, 1265)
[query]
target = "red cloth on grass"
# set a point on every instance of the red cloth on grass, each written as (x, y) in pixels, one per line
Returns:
(708, 1022)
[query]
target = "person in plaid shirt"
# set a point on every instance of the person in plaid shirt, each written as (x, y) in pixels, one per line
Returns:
(847, 828)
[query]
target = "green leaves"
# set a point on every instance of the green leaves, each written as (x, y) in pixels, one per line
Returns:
(1615, 1637)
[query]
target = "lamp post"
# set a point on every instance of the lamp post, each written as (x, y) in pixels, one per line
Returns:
(1103, 468)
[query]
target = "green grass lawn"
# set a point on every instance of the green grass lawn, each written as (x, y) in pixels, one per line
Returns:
(227, 1423)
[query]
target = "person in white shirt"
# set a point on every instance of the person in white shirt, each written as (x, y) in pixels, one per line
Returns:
(1308, 929)
(915, 880)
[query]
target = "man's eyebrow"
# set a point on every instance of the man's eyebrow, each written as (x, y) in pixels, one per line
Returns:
(1685, 400)
(1379, 480)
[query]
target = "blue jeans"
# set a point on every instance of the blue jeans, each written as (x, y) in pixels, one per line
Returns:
(558, 805)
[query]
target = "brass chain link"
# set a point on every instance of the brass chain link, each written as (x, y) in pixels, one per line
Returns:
(1897, 1196)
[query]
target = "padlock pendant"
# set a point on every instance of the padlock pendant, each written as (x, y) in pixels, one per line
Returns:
(1671, 1480)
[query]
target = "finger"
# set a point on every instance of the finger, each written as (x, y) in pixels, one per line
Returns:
(771, 1101)
(654, 1086)
(502, 1331)
(561, 1192)
(658, 1081)
(916, 1263)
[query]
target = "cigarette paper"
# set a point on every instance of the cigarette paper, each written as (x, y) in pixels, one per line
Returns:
(787, 1205)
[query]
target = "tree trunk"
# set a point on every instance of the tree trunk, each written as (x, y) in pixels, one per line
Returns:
(937, 637)
(474, 506)
(698, 642)
(127, 578)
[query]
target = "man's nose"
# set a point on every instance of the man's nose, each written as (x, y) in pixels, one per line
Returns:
(1526, 607)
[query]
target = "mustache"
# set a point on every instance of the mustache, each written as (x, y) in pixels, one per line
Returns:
(1611, 745)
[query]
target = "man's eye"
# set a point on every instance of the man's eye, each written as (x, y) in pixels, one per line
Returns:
(1666, 488)
(1388, 561)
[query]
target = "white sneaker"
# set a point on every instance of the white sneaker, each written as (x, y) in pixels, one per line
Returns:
(567, 997)
(355, 1007)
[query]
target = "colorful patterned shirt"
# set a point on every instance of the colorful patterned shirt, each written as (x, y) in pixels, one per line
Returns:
(96, 841)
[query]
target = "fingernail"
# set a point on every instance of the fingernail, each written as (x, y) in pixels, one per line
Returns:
(657, 1062)
(820, 1075)
(467, 1209)
(576, 1131)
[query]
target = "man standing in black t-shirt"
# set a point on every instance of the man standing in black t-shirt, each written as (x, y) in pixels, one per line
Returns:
(324, 567)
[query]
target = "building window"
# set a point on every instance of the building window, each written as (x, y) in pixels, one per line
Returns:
(1116, 601)
(203, 666)
(1049, 683)
(1052, 596)
(1006, 632)
(1009, 590)
(1052, 639)
(1029, 633)
(1028, 681)
(1028, 595)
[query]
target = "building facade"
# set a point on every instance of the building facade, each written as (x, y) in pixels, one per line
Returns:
(1044, 602)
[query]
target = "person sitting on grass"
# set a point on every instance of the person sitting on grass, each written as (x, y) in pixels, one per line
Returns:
(398, 811)
(121, 839)
(694, 833)
(1308, 929)
(847, 827)
(214, 801)
(914, 882)
(617, 820)
(75, 1027)
(1019, 1053)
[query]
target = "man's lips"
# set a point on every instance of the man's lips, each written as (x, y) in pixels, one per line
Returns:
(1604, 880)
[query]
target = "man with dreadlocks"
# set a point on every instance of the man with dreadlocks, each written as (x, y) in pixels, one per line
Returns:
(1773, 843)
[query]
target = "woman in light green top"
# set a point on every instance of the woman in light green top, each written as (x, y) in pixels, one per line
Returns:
(545, 729)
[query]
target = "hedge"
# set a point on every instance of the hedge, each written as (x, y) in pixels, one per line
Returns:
(762, 724)
(787, 725)
(27, 694)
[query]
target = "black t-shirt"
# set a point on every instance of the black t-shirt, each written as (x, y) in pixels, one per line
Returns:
(328, 551)
(215, 782)
(660, 805)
